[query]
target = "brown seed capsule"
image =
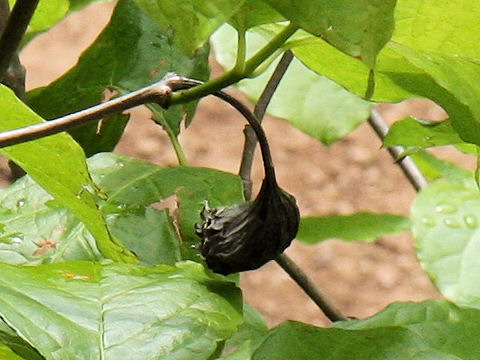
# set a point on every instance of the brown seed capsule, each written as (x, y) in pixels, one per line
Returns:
(245, 236)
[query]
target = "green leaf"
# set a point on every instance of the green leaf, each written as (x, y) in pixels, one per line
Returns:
(7, 354)
(57, 164)
(133, 184)
(47, 14)
(254, 13)
(147, 232)
(438, 26)
(441, 325)
(131, 52)
(402, 73)
(11, 342)
(424, 58)
(333, 344)
(76, 5)
(82, 310)
(432, 330)
(358, 28)
(457, 93)
(421, 134)
(248, 337)
(362, 226)
(191, 22)
(446, 228)
(433, 168)
(312, 103)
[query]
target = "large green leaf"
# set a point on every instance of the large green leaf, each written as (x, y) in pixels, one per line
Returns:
(358, 28)
(435, 27)
(456, 87)
(312, 103)
(424, 58)
(190, 21)
(132, 184)
(57, 164)
(362, 226)
(446, 227)
(132, 51)
(82, 310)
(441, 325)
(429, 330)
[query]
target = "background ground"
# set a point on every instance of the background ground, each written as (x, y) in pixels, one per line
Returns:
(352, 175)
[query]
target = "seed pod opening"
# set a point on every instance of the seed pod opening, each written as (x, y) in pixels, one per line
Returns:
(245, 236)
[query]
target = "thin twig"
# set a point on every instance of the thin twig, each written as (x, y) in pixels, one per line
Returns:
(310, 288)
(408, 166)
(159, 92)
(17, 23)
(4, 14)
(259, 111)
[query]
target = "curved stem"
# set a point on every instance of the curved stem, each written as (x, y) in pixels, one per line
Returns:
(252, 121)
(259, 111)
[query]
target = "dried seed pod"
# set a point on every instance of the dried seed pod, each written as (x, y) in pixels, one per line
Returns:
(245, 236)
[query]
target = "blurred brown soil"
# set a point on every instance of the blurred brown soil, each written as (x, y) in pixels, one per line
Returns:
(353, 174)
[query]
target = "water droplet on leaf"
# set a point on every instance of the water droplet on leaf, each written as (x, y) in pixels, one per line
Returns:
(16, 239)
(471, 221)
(451, 223)
(20, 202)
(429, 221)
(445, 208)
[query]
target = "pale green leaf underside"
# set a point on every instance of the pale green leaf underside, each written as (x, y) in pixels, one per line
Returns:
(446, 227)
